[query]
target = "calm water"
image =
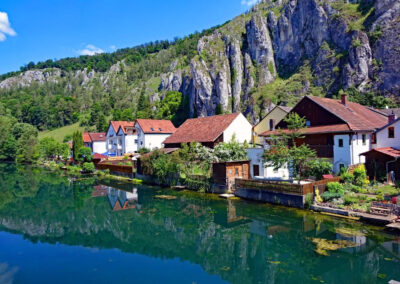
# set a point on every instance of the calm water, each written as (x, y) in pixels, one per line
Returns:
(55, 230)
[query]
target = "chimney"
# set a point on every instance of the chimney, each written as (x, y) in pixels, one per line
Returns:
(391, 117)
(344, 99)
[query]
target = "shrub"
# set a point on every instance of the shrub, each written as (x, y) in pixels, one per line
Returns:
(126, 158)
(107, 171)
(347, 177)
(308, 200)
(88, 167)
(328, 196)
(354, 188)
(318, 167)
(335, 187)
(350, 199)
(360, 176)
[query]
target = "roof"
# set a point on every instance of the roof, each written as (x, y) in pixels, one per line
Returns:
(153, 126)
(86, 137)
(203, 129)
(335, 128)
(357, 117)
(162, 150)
(389, 111)
(285, 108)
(97, 156)
(117, 124)
(389, 151)
(89, 137)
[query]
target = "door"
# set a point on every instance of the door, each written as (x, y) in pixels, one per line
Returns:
(256, 170)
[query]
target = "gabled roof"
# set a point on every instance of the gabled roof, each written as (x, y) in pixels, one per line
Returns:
(202, 130)
(389, 151)
(284, 108)
(322, 129)
(117, 124)
(389, 111)
(356, 116)
(124, 128)
(153, 126)
(86, 137)
(89, 137)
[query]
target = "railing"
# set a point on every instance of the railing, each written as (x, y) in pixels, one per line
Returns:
(325, 151)
(284, 187)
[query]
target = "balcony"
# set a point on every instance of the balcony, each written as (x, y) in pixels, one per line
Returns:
(323, 151)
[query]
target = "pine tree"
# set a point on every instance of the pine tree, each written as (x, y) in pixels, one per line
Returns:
(77, 143)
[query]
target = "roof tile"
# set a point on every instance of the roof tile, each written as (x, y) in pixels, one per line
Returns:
(153, 126)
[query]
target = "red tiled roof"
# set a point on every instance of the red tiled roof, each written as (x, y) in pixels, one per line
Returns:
(153, 126)
(97, 156)
(86, 137)
(204, 129)
(336, 128)
(357, 117)
(392, 152)
(162, 150)
(101, 136)
(117, 124)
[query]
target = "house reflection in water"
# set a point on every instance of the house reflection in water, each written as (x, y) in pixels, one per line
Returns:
(119, 199)
(122, 200)
(393, 247)
(229, 217)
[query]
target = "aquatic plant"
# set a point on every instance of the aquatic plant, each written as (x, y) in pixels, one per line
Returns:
(324, 245)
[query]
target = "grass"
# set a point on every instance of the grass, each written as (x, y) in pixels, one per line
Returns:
(61, 132)
(355, 14)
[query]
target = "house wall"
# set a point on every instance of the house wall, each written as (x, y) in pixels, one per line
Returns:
(276, 114)
(241, 128)
(130, 144)
(255, 157)
(359, 148)
(382, 139)
(111, 141)
(152, 141)
(341, 155)
(99, 147)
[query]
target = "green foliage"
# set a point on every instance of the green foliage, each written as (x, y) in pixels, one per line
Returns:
(77, 143)
(50, 149)
(230, 151)
(317, 168)
(369, 99)
(174, 107)
(284, 150)
(335, 187)
(347, 177)
(84, 155)
(88, 167)
(144, 150)
(218, 109)
(360, 176)
(329, 196)
(308, 200)
(356, 43)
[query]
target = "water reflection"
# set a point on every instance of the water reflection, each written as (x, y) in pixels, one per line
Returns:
(237, 241)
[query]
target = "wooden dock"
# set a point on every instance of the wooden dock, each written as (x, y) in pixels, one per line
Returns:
(394, 226)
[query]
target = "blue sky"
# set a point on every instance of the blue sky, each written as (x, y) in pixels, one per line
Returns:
(36, 30)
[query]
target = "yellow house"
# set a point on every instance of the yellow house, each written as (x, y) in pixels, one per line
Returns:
(269, 122)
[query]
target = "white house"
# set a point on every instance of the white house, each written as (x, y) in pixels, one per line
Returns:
(95, 141)
(260, 170)
(121, 138)
(389, 135)
(211, 130)
(152, 133)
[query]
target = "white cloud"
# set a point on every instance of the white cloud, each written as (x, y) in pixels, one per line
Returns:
(90, 49)
(113, 47)
(249, 2)
(5, 27)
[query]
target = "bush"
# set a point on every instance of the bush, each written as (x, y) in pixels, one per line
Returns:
(347, 177)
(318, 167)
(360, 176)
(335, 187)
(88, 167)
(328, 196)
(308, 201)
(354, 188)
(350, 199)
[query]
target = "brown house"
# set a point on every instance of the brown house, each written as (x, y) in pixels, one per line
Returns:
(383, 164)
(225, 173)
(336, 129)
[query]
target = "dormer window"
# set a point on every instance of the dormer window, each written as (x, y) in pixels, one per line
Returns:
(160, 129)
(152, 129)
(391, 132)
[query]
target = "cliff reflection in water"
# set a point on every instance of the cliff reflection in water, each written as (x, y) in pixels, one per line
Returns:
(240, 242)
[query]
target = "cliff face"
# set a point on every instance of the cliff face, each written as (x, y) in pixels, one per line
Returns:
(308, 45)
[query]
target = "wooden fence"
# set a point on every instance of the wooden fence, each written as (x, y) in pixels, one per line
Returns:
(284, 187)
(115, 168)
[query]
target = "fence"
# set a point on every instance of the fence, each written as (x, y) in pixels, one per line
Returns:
(283, 187)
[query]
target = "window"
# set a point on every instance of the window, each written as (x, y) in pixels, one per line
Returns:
(364, 139)
(271, 124)
(136, 141)
(152, 129)
(373, 138)
(236, 172)
(391, 132)
(341, 143)
(308, 123)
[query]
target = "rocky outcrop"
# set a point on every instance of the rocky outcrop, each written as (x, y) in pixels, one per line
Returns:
(30, 77)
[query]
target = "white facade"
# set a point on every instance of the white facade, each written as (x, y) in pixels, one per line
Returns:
(384, 139)
(114, 143)
(348, 147)
(99, 147)
(150, 141)
(240, 128)
(129, 141)
(255, 156)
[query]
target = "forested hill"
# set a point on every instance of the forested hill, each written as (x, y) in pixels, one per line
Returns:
(274, 54)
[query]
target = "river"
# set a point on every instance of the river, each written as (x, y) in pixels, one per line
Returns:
(55, 229)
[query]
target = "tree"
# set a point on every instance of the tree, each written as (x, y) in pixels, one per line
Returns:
(284, 150)
(77, 143)
(102, 123)
(230, 151)
(84, 155)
